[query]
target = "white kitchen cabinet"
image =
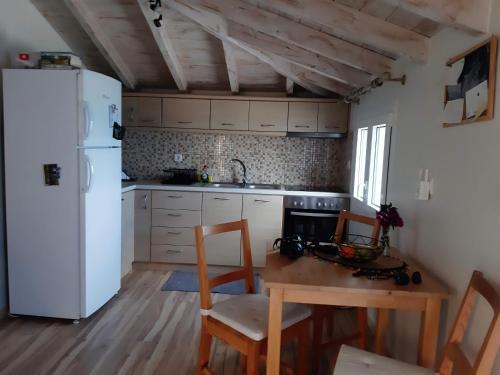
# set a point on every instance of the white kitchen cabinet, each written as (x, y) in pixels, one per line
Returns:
(186, 113)
(265, 215)
(141, 111)
(222, 249)
(175, 218)
(268, 116)
(229, 114)
(333, 117)
(303, 117)
(173, 254)
(177, 200)
(127, 232)
(142, 226)
(172, 236)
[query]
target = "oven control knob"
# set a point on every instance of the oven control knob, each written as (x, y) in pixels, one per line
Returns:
(319, 204)
(301, 204)
(294, 203)
(332, 205)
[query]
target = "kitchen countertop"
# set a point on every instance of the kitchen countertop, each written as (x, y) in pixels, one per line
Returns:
(157, 185)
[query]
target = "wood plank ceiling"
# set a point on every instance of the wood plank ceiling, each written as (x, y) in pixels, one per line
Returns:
(326, 47)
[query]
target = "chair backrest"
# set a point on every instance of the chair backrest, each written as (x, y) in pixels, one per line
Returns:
(453, 358)
(245, 273)
(346, 215)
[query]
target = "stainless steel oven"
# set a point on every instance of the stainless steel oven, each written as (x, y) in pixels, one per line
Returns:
(313, 218)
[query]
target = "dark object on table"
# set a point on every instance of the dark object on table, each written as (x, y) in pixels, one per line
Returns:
(401, 278)
(360, 248)
(179, 176)
(416, 278)
(292, 246)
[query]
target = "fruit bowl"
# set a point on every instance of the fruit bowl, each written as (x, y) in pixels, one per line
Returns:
(360, 249)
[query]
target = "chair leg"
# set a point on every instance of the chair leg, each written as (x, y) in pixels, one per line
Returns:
(205, 346)
(317, 338)
(253, 356)
(362, 313)
(303, 348)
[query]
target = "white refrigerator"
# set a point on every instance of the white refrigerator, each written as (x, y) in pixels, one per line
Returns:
(63, 191)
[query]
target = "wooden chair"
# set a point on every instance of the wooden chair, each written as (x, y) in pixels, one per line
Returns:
(453, 359)
(326, 314)
(241, 322)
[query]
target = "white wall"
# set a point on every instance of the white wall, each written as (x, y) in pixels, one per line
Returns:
(458, 230)
(22, 28)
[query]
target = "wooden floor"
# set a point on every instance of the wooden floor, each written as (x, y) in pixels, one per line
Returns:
(141, 331)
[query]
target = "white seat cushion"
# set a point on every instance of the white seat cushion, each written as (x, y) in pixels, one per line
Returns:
(248, 314)
(353, 361)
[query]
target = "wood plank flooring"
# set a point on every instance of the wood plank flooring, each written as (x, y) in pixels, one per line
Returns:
(140, 331)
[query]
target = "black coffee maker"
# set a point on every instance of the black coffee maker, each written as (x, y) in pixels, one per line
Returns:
(291, 246)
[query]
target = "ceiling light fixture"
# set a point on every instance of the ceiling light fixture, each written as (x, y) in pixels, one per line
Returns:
(153, 4)
(157, 21)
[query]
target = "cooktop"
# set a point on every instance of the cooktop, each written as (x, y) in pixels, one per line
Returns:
(321, 189)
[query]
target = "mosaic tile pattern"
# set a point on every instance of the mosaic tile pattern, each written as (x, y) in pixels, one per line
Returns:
(274, 160)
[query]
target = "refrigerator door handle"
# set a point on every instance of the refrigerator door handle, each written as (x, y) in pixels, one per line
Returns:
(89, 121)
(90, 174)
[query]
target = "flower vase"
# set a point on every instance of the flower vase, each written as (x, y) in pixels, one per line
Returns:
(385, 242)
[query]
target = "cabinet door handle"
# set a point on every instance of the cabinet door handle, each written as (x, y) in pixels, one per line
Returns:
(261, 201)
(332, 127)
(227, 124)
(184, 122)
(145, 201)
(174, 251)
(174, 233)
(221, 199)
(123, 199)
(175, 196)
(147, 121)
(302, 126)
(267, 125)
(175, 215)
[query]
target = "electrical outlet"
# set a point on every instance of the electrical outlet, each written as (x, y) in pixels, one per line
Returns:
(178, 158)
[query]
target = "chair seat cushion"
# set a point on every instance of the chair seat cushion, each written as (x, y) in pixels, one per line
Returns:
(248, 314)
(355, 361)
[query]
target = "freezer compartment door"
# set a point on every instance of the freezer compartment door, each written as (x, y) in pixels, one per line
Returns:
(101, 226)
(100, 108)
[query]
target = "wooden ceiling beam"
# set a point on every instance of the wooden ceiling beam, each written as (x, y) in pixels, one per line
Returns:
(468, 15)
(212, 22)
(232, 71)
(298, 56)
(165, 45)
(101, 40)
(296, 34)
(289, 86)
(355, 26)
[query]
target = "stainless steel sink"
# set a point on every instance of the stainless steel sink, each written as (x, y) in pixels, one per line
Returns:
(228, 185)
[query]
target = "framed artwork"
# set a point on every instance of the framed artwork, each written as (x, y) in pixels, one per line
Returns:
(470, 85)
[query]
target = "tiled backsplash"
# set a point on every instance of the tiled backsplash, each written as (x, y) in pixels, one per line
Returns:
(269, 159)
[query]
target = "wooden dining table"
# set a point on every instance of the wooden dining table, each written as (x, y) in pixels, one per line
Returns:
(311, 280)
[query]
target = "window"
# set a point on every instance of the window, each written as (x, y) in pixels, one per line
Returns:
(359, 172)
(371, 162)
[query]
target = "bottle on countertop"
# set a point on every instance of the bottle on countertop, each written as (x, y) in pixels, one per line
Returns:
(205, 176)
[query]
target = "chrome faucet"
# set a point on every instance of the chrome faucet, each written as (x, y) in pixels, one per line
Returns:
(244, 169)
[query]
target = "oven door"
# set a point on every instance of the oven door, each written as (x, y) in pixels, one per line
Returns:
(311, 225)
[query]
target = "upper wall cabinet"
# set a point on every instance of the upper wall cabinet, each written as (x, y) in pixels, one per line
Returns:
(333, 117)
(229, 114)
(186, 113)
(303, 117)
(268, 116)
(141, 111)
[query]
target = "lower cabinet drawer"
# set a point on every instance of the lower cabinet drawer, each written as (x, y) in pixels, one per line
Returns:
(173, 254)
(175, 218)
(172, 236)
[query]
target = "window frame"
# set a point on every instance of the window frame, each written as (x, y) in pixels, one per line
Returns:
(371, 124)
